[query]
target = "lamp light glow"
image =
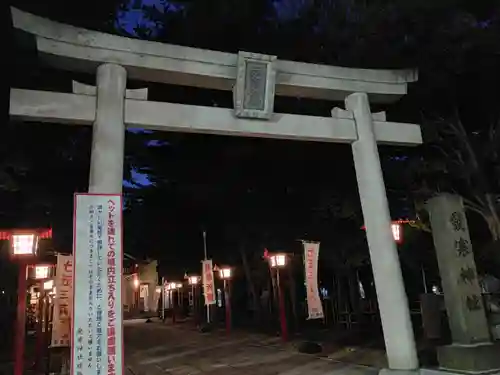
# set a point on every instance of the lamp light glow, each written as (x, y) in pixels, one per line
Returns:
(397, 229)
(24, 243)
(278, 260)
(396, 232)
(42, 272)
(48, 285)
(225, 273)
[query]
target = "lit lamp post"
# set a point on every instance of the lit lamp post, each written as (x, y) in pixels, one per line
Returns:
(48, 290)
(179, 295)
(173, 286)
(23, 246)
(164, 294)
(136, 284)
(225, 275)
(42, 272)
(167, 303)
(397, 229)
(278, 261)
(193, 281)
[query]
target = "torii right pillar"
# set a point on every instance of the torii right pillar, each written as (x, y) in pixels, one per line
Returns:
(392, 300)
(472, 350)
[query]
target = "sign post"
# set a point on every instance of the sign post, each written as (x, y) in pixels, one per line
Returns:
(97, 325)
(63, 303)
(205, 259)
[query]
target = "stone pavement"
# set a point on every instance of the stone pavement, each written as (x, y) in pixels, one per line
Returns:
(155, 348)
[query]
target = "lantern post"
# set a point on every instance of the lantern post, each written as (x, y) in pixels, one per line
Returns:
(23, 247)
(172, 287)
(42, 273)
(193, 281)
(225, 274)
(278, 261)
(136, 284)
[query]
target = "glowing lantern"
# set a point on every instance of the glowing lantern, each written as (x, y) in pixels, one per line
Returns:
(277, 260)
(42, 272)
(397, 232)
(397, 229)
(24, 243)
(225, 273)
(48, 285)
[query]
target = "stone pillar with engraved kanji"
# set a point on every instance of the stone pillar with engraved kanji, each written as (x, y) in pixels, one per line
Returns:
(471, 349)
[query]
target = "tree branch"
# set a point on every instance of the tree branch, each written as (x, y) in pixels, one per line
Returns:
(472, 205)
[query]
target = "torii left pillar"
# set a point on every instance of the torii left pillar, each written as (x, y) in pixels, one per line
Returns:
(108, 138)
(108, 143)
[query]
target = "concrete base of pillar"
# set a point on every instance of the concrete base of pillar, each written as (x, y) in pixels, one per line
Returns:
(475, 359)
(386, 371)
(446, 372)
(495, 331)
(425, 371)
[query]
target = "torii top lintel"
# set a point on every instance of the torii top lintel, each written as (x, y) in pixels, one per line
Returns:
(69, 47)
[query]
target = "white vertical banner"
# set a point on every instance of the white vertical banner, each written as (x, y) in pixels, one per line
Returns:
(63, 303)
(156, 300)
(208, 282)
(311, 255)
(97, 273)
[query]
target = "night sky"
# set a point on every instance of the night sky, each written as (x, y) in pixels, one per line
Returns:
(128, 21)
(133, 17)
(138, 179)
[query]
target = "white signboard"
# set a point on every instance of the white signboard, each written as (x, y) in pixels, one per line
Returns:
(314, 306)
(63, 303)
(98, 311)
(208, 282)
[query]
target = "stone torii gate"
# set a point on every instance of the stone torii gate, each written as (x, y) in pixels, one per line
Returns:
(255, 79)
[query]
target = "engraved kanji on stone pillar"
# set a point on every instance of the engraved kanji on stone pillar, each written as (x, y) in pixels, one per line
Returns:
(255, 83)
(462, 292)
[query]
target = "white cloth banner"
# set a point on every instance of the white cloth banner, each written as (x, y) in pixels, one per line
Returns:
(98, 311)
(314, 306)
(208, 282)
(63, 303)
(156, 301)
